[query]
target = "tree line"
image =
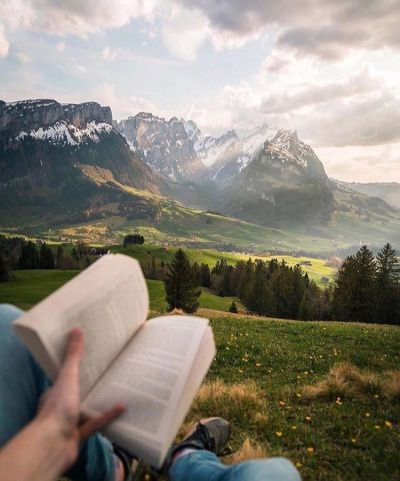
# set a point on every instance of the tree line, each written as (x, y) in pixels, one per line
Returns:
(19, 253)
(366, 288)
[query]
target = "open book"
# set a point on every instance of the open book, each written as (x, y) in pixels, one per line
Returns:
(155, 368)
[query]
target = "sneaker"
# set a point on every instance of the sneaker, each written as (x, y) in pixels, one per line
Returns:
(210, 434)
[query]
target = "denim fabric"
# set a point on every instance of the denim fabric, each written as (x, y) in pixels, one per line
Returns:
(205, 466)
(22, 382)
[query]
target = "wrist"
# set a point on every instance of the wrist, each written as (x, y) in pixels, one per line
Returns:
(59, 441)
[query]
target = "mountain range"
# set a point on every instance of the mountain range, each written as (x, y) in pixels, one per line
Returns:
(65, 164)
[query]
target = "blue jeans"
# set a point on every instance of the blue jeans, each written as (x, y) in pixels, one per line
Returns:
(205, 466)
(22, 383)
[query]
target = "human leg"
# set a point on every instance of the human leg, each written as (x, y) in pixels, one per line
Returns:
(22, 383)
(201, 465)
(195, 458)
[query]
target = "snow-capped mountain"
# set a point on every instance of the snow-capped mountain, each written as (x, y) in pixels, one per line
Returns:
(67, 158)
(290, 156)
(163, 144)
(284, 181)
(235, 153)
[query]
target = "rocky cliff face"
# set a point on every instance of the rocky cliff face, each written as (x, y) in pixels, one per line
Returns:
(68, 158)
(163, 144)
(27, 115)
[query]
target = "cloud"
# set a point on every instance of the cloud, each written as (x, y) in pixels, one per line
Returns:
(76, 18)
(328, 29)
(22, 57)
(371, 121)
(184, 32)
(60, 46)
(108, 54)
(366, 164)
(122, 105)
(4, 45)
(322, 93)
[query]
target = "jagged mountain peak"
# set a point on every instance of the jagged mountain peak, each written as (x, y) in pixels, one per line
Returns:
(163, 144)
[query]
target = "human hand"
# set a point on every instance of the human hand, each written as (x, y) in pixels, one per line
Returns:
(60, 406)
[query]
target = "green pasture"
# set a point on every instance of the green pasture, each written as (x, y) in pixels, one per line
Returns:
(31, 286)
(352, 432)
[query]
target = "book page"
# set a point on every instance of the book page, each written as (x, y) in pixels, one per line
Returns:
(149, 377)
(108, 301)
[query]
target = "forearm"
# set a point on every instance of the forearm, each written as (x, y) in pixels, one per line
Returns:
(40, 452)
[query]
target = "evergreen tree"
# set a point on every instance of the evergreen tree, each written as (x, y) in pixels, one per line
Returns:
(4, 272)
(182, 292)
(46, 257)
(306, 311)
(233, 308)
(354, 294)
(29, 258)
(196, 273)
(60, 257)
(133, 239)
(387, 292)
(205, 275)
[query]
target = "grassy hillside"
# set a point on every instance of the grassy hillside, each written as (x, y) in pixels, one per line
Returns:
(144, 253)
(31, 286)
(344, 427)
(177, 224)
(324, 394)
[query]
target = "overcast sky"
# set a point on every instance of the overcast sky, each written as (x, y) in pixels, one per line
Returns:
(328, 68)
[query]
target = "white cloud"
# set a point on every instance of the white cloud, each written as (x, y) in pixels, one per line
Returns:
(379, 163)
(184, 32)
(22, 57)
(108, 54)
(122, 105)
(60, 46)
(4, 45)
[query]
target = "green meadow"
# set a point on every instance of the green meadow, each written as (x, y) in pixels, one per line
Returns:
(324, 394)
(31, 286)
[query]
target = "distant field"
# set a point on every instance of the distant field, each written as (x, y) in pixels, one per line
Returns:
(144, 253)
(29, 287)
(351, 432)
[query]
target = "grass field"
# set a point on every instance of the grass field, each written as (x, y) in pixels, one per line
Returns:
(271, 379)
(345, 429)
(29, 287)
(144, 253)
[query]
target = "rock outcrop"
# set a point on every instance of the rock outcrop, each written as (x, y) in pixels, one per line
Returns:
(163, 144)
(26, 115)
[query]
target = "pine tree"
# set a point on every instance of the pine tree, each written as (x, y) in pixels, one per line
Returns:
(233, 308)
(354, 294)
(29, 258)
(387, 293)
(182, 292)
(306, 311)
(46, 257)
(205, 275)
(59, 257)
(4, 273)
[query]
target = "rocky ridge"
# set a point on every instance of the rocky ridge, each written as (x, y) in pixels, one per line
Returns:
(162, 144)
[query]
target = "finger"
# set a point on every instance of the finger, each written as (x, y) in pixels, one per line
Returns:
(73, 354)
(99, 422)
